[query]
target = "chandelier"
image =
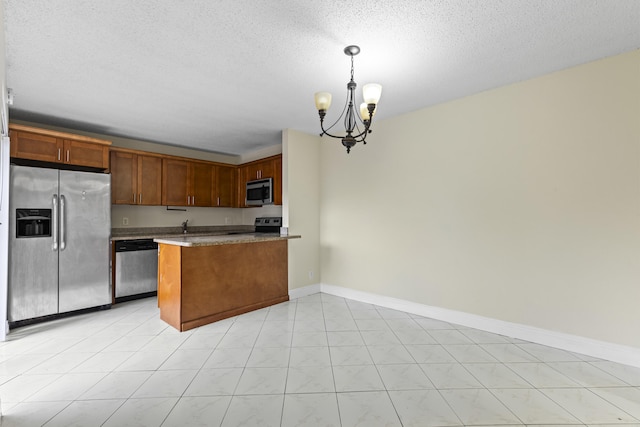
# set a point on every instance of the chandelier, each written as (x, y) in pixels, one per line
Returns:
(357, 126)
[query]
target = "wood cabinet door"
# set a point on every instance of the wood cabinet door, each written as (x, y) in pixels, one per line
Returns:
(149, 180)
(277, 181)
(242, 177)
(123, 178)
(225, 186)
(201, 184)
(86, 154)
(267, 169)
(175, 184)
(252, 171)
(32, 146)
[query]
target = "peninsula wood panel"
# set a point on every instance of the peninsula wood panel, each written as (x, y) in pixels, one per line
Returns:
(202, 284)
(169, 294)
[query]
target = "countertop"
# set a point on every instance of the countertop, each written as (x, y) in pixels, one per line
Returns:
(221, 239)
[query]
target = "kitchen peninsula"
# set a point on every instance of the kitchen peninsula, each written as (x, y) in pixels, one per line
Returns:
(203, 279)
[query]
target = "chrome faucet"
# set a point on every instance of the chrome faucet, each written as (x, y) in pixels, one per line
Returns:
(184, 226)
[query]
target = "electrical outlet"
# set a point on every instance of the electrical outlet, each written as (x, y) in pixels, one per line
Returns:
(227, 220)
(310, 274)
(125, 220)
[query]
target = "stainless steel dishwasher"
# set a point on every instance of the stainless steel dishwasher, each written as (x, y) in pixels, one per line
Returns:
(136, 269)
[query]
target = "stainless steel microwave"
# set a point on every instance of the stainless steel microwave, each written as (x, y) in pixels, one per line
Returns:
(260, 192)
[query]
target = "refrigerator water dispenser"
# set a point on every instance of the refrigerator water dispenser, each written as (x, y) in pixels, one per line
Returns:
(33, 223)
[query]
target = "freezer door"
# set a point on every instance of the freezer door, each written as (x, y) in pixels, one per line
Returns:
(85, 228)
(33, 261)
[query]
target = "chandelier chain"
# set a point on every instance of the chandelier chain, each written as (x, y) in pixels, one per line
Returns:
(351, 67)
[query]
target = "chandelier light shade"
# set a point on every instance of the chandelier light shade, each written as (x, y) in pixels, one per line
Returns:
(357, 125)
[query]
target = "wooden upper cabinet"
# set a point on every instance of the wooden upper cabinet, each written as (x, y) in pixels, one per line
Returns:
(225, 184)
(33, 146)
(277, 181)
(135, 179)
(124, 178)
(149, 180)
(261, 169)
(85, 154)
(201, 184)
(44, 145)
(140, 178)
(187, 183)
(175, 185)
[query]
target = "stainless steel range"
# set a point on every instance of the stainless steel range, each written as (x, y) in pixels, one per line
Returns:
(268, 224)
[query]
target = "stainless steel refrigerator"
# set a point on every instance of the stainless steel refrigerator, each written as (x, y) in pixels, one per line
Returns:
(60, 224)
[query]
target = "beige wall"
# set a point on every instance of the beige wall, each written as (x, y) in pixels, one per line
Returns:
(520, 204)
(301, 209)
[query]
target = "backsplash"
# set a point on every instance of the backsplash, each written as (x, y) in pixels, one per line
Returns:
(125, 216)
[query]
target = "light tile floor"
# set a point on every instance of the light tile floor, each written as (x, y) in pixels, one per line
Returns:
(316, 361)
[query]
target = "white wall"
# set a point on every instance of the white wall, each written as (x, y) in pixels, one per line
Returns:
(520, 204)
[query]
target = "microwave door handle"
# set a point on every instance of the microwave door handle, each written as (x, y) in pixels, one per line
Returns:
(54, 202)
(63, 243)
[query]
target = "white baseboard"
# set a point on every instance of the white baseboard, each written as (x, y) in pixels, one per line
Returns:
(304, 291)
(574, 343)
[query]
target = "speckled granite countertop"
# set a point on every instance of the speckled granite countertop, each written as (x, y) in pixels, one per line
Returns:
(169, 232)
(221, 239)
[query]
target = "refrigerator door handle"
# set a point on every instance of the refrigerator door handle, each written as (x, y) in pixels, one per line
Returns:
(63, 243)
(54, 202)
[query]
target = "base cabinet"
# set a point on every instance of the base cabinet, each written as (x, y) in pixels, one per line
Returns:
(203, 284)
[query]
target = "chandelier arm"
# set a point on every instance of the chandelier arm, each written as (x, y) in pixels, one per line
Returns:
(324, 132)
(363, 134)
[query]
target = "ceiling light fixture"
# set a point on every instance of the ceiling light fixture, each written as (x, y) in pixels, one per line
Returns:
(371, 94)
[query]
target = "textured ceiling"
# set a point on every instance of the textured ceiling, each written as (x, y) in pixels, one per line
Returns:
(228, 76)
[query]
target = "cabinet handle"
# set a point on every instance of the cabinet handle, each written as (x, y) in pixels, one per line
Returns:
(193, 200)
(67, 156)
(58, 154)
(139, 198)
(218, 201)
(133, 198)
(188, 200)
